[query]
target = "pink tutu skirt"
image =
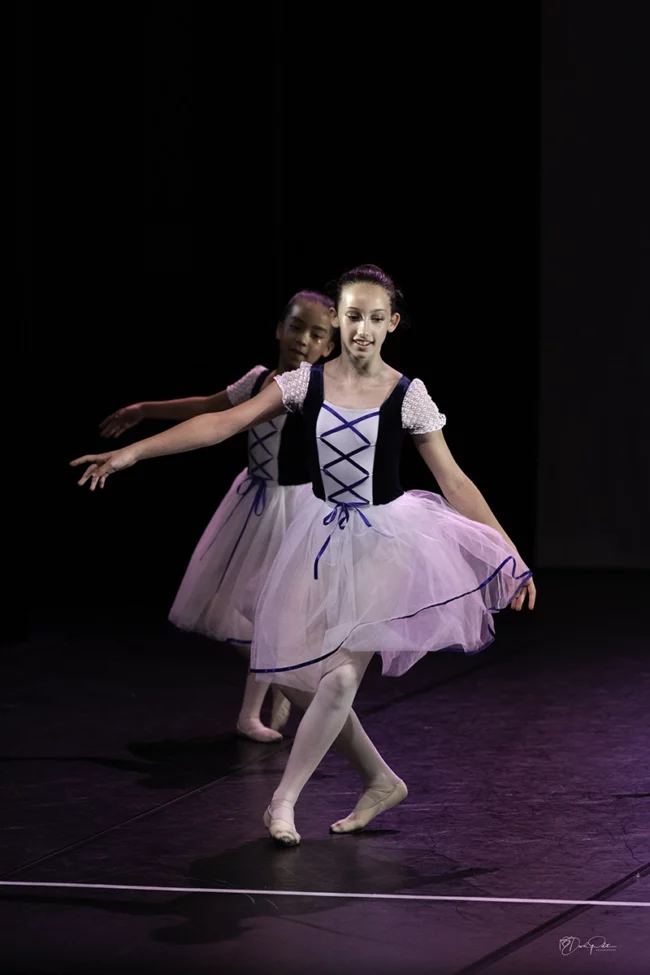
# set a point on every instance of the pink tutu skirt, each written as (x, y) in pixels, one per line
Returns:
(224, 579)
(402, 580)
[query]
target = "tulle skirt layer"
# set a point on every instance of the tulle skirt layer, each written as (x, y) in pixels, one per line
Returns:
(402, 580)
(224, 579)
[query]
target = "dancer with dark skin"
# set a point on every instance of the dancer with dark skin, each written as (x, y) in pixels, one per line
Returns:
(224, 578)
(364, 567)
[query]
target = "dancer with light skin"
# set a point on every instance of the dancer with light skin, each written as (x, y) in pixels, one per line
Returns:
(364, 567)
(222, 583)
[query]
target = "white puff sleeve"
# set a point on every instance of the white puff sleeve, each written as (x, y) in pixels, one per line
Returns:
(241, 391)
(419, 413)
(294, 386)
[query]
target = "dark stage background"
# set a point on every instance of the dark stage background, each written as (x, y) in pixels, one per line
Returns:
(594, 463)
(282, 147)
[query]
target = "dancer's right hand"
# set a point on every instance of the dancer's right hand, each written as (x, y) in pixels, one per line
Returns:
(102, 466)
(116, 424)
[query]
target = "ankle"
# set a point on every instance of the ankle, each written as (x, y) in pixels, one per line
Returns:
(250, 709)
(280, 801)
(245, 717)
(380, 780)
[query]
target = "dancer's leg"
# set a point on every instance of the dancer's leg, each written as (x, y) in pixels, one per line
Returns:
(383, 789)
(249, 723)
(321, 724)
(281, 709)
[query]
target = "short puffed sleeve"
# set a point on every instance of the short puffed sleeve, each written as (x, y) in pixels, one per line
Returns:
(241, 390)
(419, 413)
(293, 386)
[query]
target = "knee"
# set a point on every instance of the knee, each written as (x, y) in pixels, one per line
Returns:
(342, 684)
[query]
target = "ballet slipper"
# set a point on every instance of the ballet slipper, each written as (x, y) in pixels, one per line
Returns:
(282, 831)
(375, 800)
(281, 710)
(253, 729)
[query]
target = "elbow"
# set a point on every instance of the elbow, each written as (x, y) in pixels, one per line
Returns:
(455, 485)
(215, 427)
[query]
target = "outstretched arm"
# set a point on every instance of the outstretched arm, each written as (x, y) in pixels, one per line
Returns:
(201, 431)
(461, 492)
(454, 483)
(171, 409)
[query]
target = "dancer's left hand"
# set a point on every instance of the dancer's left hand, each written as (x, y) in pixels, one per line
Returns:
(528, 588)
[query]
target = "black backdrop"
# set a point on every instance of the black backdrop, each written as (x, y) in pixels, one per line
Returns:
(278, 149)
(594, 466)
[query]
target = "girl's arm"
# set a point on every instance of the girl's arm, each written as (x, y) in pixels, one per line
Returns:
(465, 497)
(185, 409)
(171, 409)
(201, 431)
(455, 485)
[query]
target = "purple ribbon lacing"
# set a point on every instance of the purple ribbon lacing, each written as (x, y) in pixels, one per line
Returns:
(341, 512)
(252, 481)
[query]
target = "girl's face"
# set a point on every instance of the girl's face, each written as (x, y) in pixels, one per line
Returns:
(305, 334)
(364, 318)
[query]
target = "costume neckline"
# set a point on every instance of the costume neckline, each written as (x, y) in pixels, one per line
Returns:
(362, 409)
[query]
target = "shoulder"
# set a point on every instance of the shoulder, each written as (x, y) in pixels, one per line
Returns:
(294, 385)
(239, 391)
(419, 413)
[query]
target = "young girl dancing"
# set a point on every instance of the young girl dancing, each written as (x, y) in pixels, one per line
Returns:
(364, 567)
(224, 578)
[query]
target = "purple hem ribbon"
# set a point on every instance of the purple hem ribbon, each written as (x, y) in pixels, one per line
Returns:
(522, 579)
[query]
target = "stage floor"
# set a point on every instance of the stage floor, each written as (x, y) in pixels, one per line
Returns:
(131, 813)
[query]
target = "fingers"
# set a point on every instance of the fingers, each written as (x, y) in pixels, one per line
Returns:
(108, 420)
(97, 475)
(112, 431)
(99, 467)
(117, 429)
(115, 424)
(87, 474)
(87, 459)
(112, 428)
(518, 601)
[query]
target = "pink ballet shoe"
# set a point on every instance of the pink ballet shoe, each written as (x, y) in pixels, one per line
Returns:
(373, 802)
(253, 729)
(282, 831)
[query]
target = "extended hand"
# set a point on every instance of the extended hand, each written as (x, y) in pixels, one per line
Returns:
(115, 424)
(528, 588)
(102, 465)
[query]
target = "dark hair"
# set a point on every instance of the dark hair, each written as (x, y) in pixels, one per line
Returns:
(309, 296)
(371, 274)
